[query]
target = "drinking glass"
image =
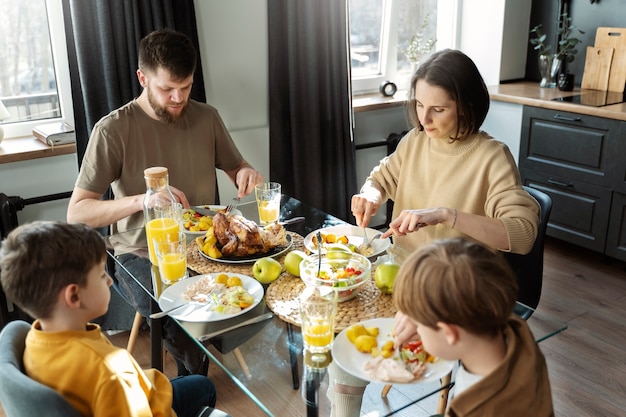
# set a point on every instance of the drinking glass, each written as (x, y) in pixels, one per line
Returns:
(318, 307)
(171, 253)
(268, 202)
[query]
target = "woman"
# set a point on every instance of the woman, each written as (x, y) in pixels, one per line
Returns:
(447, 179)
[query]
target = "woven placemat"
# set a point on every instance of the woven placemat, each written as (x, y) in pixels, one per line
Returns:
(202, 265)
(282, 298)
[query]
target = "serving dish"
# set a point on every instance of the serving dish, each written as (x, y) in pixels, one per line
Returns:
(346, 272)
(354, 235)
(277, 251)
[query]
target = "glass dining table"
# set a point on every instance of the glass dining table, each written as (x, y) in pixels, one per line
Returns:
(261, 350)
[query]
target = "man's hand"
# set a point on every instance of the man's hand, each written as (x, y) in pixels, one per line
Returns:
(180, 197)
(247, 177)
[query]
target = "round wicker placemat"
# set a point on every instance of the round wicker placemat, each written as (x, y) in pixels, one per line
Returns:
(282, 298)
(201, 265)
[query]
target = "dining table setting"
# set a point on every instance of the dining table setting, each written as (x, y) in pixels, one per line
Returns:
(224, 306)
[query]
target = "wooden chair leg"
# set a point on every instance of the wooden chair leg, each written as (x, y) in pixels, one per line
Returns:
(443, 395)
(385, 390)
(134, 332)
(242, 363)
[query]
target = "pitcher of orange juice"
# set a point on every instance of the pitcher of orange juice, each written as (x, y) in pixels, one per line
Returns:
(161, 211)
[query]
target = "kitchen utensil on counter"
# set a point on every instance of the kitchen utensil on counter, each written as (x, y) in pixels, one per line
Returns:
(607, 37)
(597, 68)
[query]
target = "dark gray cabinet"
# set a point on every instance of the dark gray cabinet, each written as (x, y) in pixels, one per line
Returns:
(580, 161)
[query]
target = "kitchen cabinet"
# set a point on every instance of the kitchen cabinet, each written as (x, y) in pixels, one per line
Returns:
(578, 160)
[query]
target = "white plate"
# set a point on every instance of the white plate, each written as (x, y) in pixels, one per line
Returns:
(173, 296)
(208, 207)
(352, 361)
(279, 250)
(354, 235)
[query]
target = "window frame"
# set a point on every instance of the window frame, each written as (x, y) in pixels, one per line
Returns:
(56, 27)
(448, 21)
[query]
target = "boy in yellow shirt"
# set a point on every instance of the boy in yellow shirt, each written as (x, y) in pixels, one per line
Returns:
(56, 273)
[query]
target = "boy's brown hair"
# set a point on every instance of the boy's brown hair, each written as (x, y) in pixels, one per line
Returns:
(39, 259)
(459, 282)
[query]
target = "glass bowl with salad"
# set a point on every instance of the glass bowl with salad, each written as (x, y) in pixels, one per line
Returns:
(347, 272)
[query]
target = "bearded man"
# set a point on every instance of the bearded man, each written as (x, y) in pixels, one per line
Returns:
(162, 127)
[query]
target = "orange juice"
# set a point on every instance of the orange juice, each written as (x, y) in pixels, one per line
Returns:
(159, 227)
(317, 335)
(172, 267)
(268, 212)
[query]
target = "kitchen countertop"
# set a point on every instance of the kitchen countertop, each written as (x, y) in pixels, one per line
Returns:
(529, 93)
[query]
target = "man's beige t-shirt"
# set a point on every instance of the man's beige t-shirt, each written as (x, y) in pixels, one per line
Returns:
(127, 141)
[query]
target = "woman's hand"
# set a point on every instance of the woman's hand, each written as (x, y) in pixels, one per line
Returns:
(404, 330)
(410, 221)
(365, 205)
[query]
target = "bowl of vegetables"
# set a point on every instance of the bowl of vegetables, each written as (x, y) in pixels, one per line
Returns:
(347, 272)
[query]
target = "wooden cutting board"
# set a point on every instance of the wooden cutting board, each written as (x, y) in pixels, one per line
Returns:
(597, 68)
(614, 38)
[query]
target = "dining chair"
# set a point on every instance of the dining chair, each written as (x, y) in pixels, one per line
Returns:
(19, 394)
(528, 269)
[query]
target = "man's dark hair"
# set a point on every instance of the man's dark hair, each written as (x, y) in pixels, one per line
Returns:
(173, 51)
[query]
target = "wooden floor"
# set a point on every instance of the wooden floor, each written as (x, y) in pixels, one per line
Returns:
(587, 362)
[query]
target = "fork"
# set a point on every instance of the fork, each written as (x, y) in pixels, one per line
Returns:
(233, 203)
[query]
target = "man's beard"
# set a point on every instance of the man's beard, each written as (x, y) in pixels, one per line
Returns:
(162, 113)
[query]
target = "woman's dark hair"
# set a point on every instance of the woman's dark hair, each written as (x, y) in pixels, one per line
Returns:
(456, 73)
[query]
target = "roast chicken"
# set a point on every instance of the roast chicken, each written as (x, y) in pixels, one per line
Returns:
(239, 236)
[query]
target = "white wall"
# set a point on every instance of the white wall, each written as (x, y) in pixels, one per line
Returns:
(504, 122)
(494, 33)
(234, 53)
(39, 177)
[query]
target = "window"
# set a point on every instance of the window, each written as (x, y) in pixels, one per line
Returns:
(383, 33)
(34, 77)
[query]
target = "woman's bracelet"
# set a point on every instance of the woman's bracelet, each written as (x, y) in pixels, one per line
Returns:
(454, 221)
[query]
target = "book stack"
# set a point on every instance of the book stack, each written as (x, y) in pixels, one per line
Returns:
(58, 133)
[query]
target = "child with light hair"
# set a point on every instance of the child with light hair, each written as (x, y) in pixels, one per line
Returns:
(459, 297)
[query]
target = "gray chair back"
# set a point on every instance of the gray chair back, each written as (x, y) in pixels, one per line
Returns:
(529, 268)
(20, 395)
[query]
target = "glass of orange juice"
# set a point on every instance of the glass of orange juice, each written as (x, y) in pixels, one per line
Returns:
(268, 201)
(318, 308)
(171, 253)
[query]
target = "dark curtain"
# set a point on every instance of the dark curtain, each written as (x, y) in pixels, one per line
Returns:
(311, 149)
(102, 41)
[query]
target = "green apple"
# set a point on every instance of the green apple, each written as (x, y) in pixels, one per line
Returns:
(292, 262)
(385, 276)
(266, 270)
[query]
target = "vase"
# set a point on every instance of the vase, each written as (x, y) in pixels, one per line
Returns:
(555, 70)
(545, 66)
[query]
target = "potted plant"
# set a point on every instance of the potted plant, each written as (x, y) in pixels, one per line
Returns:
(418, 47)
(550, 65)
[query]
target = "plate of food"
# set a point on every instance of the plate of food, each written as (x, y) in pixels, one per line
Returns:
(348, 235)
(411, 366)
(196, 220)
(237, 240)
(212, 297)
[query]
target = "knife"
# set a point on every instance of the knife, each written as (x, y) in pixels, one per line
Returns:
(253, 320)
(204, 211)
